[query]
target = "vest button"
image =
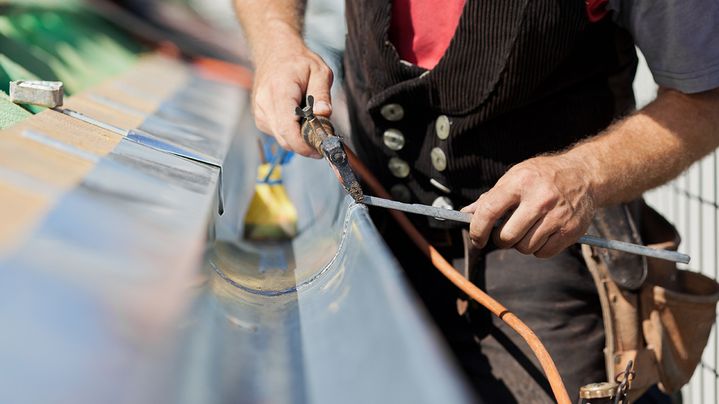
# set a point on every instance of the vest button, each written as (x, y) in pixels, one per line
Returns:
(398, 167)
(441, 127)
(439, 160)
(393, 139)
(401, 193)
(444, 203)
(392, 112)
(440, 186)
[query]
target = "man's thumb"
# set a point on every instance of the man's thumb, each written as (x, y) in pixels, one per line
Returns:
(319, 86)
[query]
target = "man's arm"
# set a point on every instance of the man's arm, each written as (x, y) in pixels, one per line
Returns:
(285, 69)
(552, 198)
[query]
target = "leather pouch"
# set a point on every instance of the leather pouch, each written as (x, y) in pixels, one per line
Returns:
(663, 322)
(678, 308)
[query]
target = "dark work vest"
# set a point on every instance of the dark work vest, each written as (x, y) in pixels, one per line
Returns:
(520, 78)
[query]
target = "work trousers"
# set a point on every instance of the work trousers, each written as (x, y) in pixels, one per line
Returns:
(555, 297)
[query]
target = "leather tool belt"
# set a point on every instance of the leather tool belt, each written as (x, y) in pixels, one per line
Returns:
(656, 315)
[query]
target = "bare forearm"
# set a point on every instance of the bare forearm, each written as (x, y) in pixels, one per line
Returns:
(551, 199)
(270, 24)
(650, 147)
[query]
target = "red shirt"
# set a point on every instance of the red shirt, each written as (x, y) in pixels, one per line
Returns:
(421, 30)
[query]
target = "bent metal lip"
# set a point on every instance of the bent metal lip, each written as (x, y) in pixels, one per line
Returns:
(594, 241)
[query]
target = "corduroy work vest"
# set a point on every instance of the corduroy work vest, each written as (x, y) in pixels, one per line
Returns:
(520, 78)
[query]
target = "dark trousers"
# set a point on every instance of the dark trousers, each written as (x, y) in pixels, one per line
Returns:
(556, 297)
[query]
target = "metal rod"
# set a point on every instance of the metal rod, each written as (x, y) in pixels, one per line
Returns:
(667, 255)
(463, 217)
(425, 210)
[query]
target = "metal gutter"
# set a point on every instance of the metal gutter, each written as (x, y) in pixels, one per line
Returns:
(132, 289)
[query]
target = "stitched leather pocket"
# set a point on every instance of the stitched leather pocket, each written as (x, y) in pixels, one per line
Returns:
(678, 307)
(677, 319)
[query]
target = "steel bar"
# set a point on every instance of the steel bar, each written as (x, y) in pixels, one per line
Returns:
(463, 217)
(667, 255)
(424, 210)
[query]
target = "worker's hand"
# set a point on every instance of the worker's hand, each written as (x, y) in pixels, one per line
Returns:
(547, 204)
(283, 77)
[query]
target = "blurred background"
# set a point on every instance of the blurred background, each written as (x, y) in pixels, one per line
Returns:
(83, 42)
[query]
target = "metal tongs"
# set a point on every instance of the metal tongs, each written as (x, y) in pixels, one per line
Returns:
(318, 132)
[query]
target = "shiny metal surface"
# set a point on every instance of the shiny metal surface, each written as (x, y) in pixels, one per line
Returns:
(133, 289)
(630, 248)
(442, 210)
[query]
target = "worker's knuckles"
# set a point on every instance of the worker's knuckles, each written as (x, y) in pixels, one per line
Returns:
(488, 209)
(534, 181)
(508, 236)
(477, 242)
(294, 142)
(323, 71)
(535, 239)
(561, 238)
(525, 175)
(551, 248)
(479, 233)
(525, 249)
(297, 145)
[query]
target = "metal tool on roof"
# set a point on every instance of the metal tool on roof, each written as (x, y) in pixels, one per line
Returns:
(318, 132)
(50, 94)
(43, 93)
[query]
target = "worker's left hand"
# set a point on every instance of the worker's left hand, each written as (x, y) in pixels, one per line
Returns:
(547, 203)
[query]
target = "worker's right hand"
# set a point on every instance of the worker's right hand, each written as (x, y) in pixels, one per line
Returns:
(283, 76)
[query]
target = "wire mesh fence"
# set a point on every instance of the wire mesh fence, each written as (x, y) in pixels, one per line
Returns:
(691, 203)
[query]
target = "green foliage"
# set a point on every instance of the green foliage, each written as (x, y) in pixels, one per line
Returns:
(60, 40)
(9, 112)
